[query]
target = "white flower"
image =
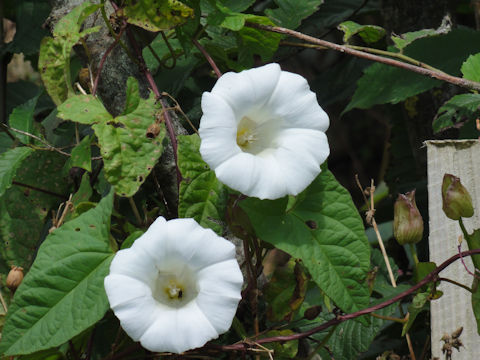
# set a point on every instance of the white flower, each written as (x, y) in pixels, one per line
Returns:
(176, 288)
(263, 132)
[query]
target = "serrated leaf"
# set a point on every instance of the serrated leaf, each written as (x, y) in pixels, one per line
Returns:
(21, 118)
(458, 109)
(9, 163)
(471, 68)
(201, 196)
(382, 84)
(352, 338)
(157, 15)
(419, 304)
(63, 293)
(326, 232)
(82, 155)
(290, 13)
(369, 33)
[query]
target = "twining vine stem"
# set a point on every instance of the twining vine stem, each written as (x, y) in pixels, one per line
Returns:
(208, 57)
(471, 85)
(433, 276)
(158, 95)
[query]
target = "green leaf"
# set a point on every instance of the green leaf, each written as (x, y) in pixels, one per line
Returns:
(128, 153)
(476, 302)
(51, 66)
(237, 5)
(21, 224)
(157, 15)
(351, 338)
(471, 68)
(257, 42)
(282, 350)
(21, 118)
(84, 109)
(201, 196)
(54, 57)
(423, 269)
(458, 109)
(82, 155)
(419, 304)
(403, 40)
(290, 13)
(43, 169)
(382, 84)
(326, 232)
(9, 163)
(369, 33)
(63, 293)
(285, 292)
(473, 241)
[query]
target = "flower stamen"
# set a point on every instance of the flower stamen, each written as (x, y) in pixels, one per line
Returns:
(246, 133)
(174, 290)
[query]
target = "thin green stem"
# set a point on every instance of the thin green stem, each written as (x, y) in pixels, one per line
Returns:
(466, 235)
(456, 283)
(468, 84)
(388, 318)
(114, 35)
(322, 343)
(135, 210)
(413, 250)
(399, 56)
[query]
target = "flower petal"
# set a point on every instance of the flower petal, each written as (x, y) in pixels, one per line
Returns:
(137, 316)
(218, 145)
(116, 284)
(223, 278)
(293, 101)
(248, 90)
(216, 112)
(179, 330)
(219, 296)
(135, 263)
(197, 246)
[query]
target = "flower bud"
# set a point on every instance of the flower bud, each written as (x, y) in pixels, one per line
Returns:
(14, 278)
(407, 221)
(457, 202)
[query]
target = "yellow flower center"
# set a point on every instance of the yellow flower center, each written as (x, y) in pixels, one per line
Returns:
(246, 133)
(174, 290)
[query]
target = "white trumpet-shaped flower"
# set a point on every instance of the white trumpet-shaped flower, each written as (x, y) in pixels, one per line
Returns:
(263, 132)
(176, 288)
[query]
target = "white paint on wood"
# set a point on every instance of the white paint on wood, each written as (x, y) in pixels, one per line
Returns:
(460, 158)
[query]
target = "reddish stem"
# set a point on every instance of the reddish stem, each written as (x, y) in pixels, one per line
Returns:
(104, 58)
(153, 86)
(472, 85)
(208, 57)
(246, 345)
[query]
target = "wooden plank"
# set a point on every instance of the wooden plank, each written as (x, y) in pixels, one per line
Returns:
(453, 310)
